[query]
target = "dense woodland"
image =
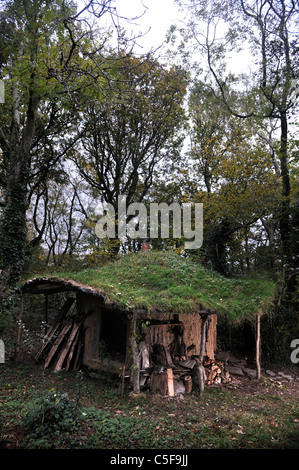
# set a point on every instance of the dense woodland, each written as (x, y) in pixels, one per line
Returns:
(86, 118)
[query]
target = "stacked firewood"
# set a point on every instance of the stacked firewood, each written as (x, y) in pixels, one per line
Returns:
(216, 372)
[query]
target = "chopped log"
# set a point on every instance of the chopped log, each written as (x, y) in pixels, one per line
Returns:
(67, 347)
(188, 384)
(60, 338)
(216, 369)
(170, 382)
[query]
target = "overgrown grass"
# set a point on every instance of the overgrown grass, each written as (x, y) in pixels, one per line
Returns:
(218, 419)
(167, 282)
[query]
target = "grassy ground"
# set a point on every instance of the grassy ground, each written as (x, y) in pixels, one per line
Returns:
(246, 414)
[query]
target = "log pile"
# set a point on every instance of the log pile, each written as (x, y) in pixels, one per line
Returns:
(63, 344)
(216, 372)
(176, 375)
(173, 381)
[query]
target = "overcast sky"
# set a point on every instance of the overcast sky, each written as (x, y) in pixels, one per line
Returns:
(157, 18)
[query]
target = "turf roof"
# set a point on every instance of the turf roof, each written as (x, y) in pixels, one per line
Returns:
(168, 283)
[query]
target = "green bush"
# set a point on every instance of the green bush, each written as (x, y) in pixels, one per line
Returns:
(52, 413)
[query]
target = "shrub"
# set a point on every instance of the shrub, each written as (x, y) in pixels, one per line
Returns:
(50, 414)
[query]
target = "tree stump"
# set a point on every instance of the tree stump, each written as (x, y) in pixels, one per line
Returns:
(159, 383)
(188, 384)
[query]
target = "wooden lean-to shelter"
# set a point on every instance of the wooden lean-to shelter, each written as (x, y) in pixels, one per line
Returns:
(150, 316)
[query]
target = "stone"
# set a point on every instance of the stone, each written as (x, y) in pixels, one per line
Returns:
(250, 372)
(235, 370)
(289, 377)
(269, 372)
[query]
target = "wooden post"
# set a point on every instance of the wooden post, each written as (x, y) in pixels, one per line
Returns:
(258, 345)
(46, 312)
(135, 355)
(199, 361)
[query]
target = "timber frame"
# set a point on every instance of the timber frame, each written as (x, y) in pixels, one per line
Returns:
(73, 341)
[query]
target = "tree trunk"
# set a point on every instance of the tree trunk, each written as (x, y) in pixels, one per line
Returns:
(199, 361)
(13, 233)
(285, 204)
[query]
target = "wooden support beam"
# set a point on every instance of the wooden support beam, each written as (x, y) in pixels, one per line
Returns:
(135, 354)
(46, 312)
(199, 361)
(60, 338)
(71, 353)
(66, 348)
(56, 325)
(258, 345)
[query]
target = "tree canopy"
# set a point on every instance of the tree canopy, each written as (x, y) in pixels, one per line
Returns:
(86, 119)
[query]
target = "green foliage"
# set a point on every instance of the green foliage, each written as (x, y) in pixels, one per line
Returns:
(54, 412)
(260, 416)
(138, 121)
(9, 312)
(278, 331)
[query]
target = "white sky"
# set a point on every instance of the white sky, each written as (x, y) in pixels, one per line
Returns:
(158, 17)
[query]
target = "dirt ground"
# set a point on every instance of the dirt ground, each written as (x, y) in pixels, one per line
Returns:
(278, 384)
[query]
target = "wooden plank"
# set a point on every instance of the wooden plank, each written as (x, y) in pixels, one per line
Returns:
(57, 343)
(158, 383)
(71, 353)
(49, 336)
(47, 342)
(66, 349)
(78, 353)
(170, 382)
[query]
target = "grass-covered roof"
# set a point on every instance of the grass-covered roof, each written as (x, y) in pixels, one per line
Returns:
(166, 282)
